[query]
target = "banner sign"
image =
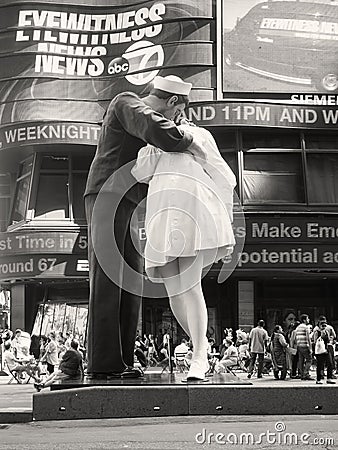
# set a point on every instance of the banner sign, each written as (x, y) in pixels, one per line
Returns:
(21, 243)
(75, 53)
(290, 242)
(263, 114)
(43, 254)
(315, 230)
(280, 46)
(48, 133)
(289, 256)
(42, 266)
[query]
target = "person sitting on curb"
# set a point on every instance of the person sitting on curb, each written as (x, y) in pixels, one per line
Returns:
(15, 365)
(70, 367)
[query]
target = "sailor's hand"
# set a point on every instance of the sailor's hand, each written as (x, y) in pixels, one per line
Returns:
(226, 259)
(197, 150)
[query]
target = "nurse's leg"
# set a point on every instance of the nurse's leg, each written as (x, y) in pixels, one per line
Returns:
(193, 299)
(170, 275)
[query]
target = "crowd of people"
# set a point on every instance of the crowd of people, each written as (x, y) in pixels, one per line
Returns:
(289, 352)
(152, 350)
(58, 357)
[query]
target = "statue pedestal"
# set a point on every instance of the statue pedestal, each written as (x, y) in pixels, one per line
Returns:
(166, 395)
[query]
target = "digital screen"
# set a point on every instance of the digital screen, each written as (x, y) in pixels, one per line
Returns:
(66, 62)
(280, 46)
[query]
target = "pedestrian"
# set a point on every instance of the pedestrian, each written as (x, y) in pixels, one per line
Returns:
(321, 337)
(16, 365)
(244, 354)
(332, 338)
(182, 347)
(152, 351)
(51, 353)
(258, 339)
(212, 347)
(293, 353)
(129, 123)
(42, 346)
(140, 354)
(188, 227)
(288, 321)
(304, 347)
(230, 357)
(17, 344)
(278, 347)
(70, 367)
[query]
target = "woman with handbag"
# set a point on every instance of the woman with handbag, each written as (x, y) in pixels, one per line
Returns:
(321, 339)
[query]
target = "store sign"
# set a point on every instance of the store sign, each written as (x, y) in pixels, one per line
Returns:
(280, 46)
(48, 133)
(263, 114)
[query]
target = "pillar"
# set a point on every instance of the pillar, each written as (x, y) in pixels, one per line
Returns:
(246, 305)
(17, 307)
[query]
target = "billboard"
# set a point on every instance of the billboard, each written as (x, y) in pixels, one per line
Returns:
(281, 46)
(61, 61)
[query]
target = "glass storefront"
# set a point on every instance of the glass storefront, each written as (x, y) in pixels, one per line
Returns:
(62, 318)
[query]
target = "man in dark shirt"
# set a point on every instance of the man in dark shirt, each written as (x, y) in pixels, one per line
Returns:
(115, 265)
(70, 367)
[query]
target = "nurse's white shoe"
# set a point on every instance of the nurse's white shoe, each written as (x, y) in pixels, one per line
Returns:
(197, 370)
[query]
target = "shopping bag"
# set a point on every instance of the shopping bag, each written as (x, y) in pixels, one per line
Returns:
(320, 347)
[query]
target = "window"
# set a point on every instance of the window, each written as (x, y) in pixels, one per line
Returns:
(79, 184)
(21, 195)
(268, 139)
(316, 140)
(51, 189)
(4, 201)
(52, 198)
(80, 167)
(273, 178)
(225, 139)
(322, 177)
(52, 201)
(61, 185)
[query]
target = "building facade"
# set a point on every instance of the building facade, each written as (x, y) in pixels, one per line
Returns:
(275, 125)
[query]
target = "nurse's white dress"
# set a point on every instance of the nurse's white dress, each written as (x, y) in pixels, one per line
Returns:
(189, 203)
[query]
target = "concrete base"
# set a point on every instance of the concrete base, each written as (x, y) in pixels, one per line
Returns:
(15, 416)
(223, 395)
(174, 379)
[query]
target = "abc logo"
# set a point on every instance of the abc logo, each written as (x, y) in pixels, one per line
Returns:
(144, 60)
(118, 65)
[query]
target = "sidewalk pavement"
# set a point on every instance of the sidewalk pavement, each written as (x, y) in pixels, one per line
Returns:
(16, 400)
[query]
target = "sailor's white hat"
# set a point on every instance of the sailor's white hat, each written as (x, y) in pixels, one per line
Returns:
(172, 84)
